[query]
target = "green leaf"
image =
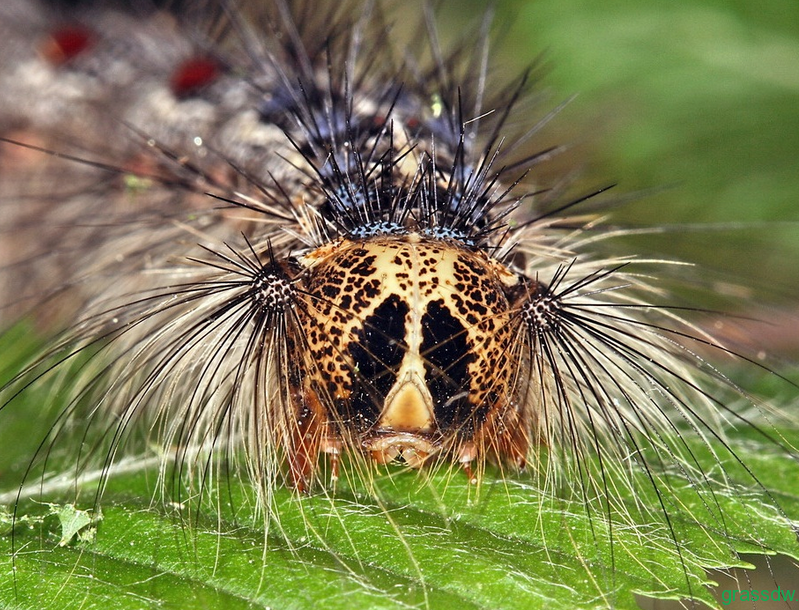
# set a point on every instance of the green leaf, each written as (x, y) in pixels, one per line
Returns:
(410, 540)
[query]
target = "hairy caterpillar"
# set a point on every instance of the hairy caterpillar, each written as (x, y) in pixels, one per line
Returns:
(262, 171)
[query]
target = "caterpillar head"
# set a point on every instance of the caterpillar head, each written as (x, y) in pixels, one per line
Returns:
(408, 351)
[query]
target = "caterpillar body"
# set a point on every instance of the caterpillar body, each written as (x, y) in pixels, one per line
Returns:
(282, 252)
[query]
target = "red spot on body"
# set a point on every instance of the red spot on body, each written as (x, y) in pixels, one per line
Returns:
(66, 42)
(194, 74)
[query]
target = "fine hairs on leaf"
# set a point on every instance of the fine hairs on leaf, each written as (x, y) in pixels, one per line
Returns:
(302, 308)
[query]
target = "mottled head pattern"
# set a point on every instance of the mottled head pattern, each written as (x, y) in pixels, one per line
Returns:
(410, 341)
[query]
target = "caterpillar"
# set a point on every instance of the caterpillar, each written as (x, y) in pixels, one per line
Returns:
(285, 244)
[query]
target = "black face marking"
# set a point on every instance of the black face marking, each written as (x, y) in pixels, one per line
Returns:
(376, 358)
(419, 363)
(447, 354)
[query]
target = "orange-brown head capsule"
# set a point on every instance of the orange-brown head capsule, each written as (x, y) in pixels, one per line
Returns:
(408, 346)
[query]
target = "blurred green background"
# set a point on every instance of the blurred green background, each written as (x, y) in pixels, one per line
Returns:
(699, 98)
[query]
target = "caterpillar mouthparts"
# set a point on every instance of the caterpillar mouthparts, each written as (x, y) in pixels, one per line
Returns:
(271, 244)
